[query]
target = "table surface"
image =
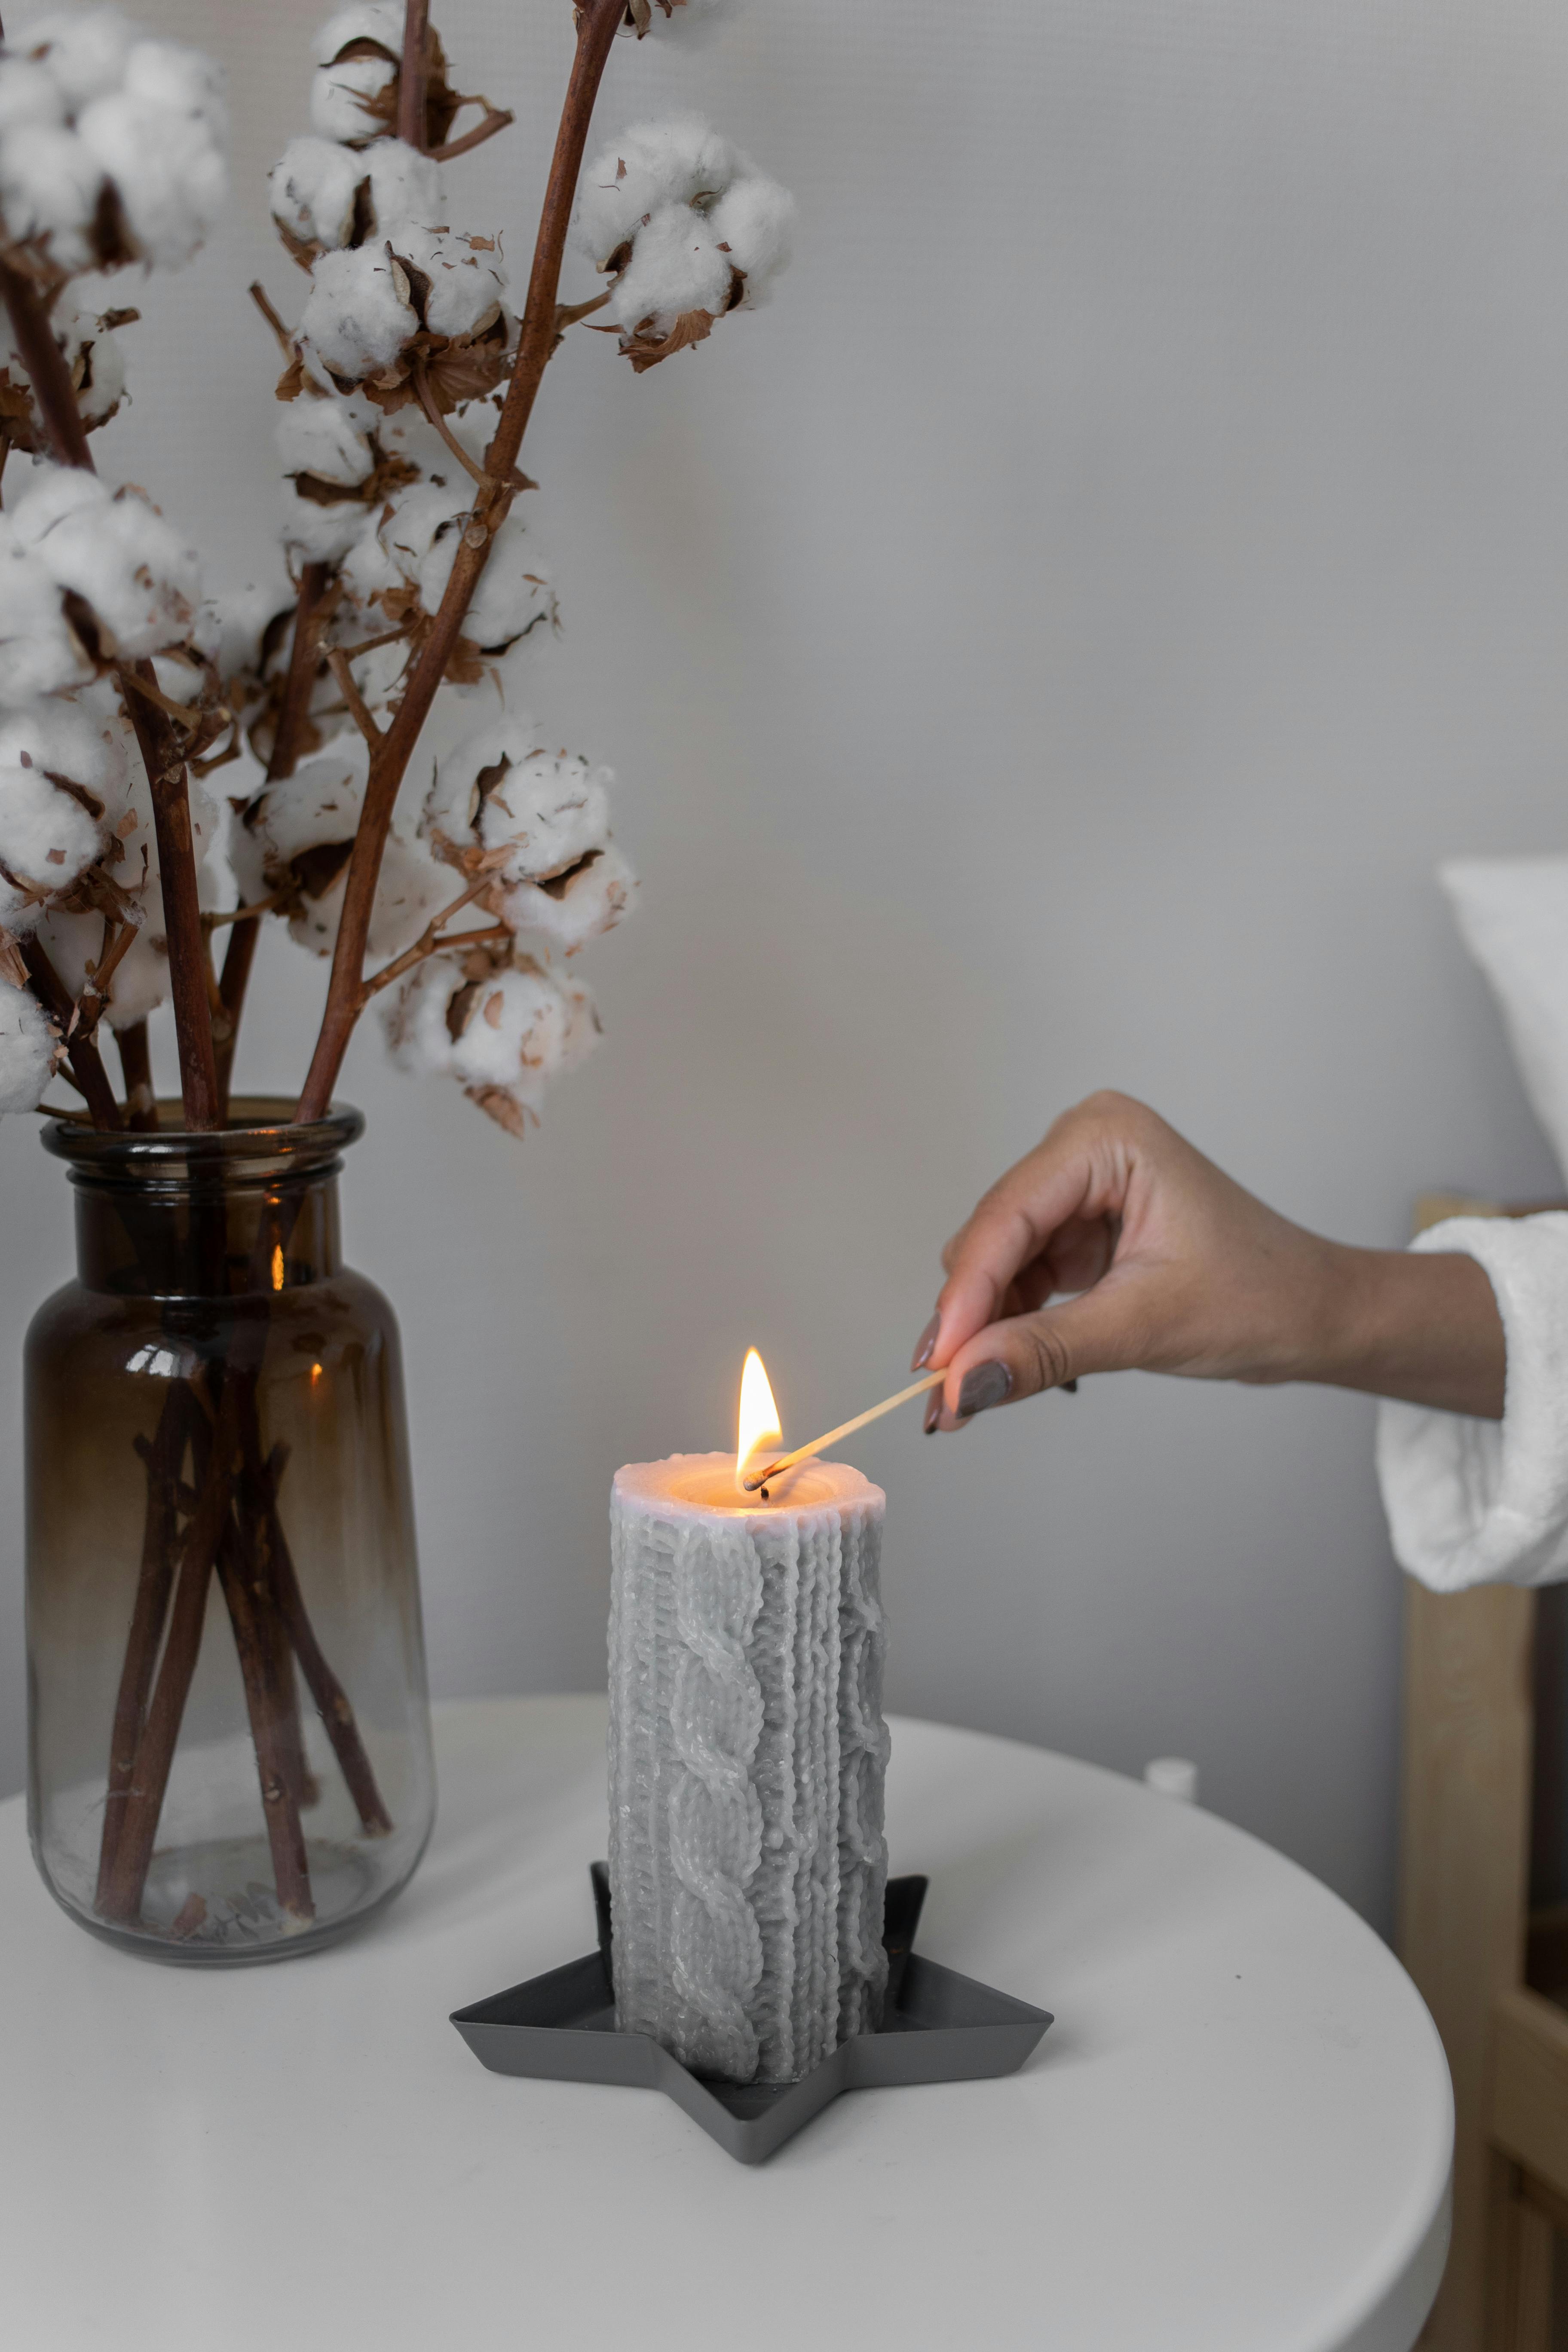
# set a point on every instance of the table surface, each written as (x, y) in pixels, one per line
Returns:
(1234, 2138)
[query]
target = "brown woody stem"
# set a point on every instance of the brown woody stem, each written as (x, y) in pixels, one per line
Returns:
(292, 715)
(358, 708)
(136, 1062)
(87, 1067)
(496, 118)
(598, 23)
(413, 80)
(280, 1766)
(164, 1456)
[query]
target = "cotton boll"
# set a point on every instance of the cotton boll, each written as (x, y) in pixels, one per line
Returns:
(418, 520)
(317, 533)
(409, 890)
(311, 190)
(464, 280)
(230, 627)
(418, 1034)
(49, 186)
(355, 321)
(28, 96)
(39, 652)
(324, 438)
(512, 1031)
(46, 838)
(140, 980)
(373, 20)
(317, 808)
(513, 595)
(74, 746)
(160, 140)
(26, 1050)
(404, 185)
(650, 165)
(84, 51)
(676, 266)
(141, 578)
(529, 812)
(753, 217)
(574, 906)
(343, 98)
(369, 574)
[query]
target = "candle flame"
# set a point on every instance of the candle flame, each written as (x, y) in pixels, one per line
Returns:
(759, 1431)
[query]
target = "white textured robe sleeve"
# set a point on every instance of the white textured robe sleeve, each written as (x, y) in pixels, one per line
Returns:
(1486, 1502)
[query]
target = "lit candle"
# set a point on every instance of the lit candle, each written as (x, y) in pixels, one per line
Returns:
(747, 1756)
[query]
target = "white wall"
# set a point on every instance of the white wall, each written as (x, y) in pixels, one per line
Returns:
(1049, 648)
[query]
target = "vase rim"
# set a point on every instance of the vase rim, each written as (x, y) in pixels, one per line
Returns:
(261, 1140)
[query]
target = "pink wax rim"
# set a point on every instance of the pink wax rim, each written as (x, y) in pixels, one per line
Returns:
(706, 1483)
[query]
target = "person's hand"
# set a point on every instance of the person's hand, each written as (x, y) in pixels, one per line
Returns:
(1156, 1261)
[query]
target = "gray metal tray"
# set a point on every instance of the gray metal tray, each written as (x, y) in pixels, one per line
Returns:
(937, 2027)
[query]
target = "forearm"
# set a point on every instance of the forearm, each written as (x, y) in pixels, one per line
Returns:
(1423, 1328)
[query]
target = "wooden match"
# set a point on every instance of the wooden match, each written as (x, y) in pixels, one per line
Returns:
(845, 1428)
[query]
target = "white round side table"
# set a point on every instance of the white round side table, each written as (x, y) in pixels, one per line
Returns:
(1234, 2138)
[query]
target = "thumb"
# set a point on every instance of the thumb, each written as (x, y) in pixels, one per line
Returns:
(1107, 1328)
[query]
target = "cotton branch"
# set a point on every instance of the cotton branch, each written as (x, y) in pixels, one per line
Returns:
(598, 22)
(87, 1069)
(155, 736)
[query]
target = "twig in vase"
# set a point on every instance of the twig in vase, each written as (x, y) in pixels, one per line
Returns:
(598, 23)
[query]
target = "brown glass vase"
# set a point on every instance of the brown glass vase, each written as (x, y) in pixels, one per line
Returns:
(229, 1740)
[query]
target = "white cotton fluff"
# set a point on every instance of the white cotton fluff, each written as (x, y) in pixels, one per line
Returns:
(404, 185)
(503, 1036)
(580, 905)
(117, 553)
(344, 87)
(676, 266)
(317, 533)
(78, 746)
(650, 165)
(161, 139)
(26, 1050)
(754, 217)
(513, 595)
(28, 98)
(230, 627)
(140, 982)
(369, 574)
(355, 320)
(311, 190)
(499, 791)
(317, 810)
(84, 51)
(46, 838)
(409, 890)
(326, 438)
(464, 277)
(63, 785)
(314, 188)
(49, 186)
(39, 652)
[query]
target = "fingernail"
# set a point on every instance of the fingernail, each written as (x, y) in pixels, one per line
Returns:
(924, 1345)
(983, 1386)
(933, 1412)
(1069, 1388)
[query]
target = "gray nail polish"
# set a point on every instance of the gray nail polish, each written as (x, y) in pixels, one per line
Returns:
(924, 1345)
(933, 1412)
(983, 1386)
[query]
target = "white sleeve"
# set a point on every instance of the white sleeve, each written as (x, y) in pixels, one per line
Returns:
(1486, 1502)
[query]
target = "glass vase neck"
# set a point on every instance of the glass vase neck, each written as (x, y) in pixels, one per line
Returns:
(247, 1211)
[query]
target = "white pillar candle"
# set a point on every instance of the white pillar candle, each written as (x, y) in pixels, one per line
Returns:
(747, 1759)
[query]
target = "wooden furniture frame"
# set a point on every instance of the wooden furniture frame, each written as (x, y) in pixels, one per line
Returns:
(1466, 1936)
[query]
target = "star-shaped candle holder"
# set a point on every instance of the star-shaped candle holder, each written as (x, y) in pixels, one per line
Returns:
(937, 2027)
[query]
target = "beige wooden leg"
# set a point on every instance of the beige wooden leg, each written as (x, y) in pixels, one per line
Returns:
(1463, 1854)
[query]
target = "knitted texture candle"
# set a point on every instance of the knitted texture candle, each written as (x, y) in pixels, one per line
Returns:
(747, 1759)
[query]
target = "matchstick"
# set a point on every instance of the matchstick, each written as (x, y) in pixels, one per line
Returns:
(845, 1428)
